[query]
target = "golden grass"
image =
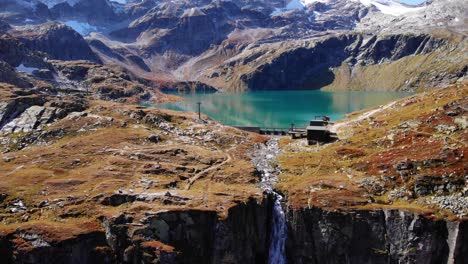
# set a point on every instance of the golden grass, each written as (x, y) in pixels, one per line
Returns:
(85, 165)
(331, 177)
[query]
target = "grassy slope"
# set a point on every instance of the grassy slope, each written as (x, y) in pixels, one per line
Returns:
(331, 176)
(108, 151)
(412, 72)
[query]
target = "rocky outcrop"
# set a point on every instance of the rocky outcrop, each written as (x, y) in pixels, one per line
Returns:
(12, 109)
(14, 52)
(85, 10)
(19, 11)
(188, 236)
(110, 83)
(9, 75)
(32, 118)
(29, 110)
(57, 40)
(26, 122)
(196, 236)
(187, 87)
(84, 248)
(196, 24)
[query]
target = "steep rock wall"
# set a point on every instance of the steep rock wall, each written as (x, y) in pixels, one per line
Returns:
(384, 236)
(348, 62)
(193, 236)
(196, 236)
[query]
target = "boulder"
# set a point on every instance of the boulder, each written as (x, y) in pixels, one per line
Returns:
(118, 199)
(3, 196)
(30, 119)
(12, 109)
(26, 122)
(154, 138)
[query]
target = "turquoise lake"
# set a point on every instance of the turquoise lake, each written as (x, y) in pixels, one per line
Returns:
(279, 108)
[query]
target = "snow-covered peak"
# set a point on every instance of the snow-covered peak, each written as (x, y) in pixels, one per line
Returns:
(390, 7)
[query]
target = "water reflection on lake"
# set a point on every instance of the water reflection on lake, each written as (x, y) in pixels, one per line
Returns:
(279, 108)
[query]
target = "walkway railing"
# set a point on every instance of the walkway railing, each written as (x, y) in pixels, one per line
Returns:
(274, 130)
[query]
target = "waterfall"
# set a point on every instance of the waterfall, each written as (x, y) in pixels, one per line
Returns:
(277, 254)
(264, 159)
(453, 230)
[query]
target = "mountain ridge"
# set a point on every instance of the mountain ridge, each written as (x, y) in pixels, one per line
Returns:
(150, 42)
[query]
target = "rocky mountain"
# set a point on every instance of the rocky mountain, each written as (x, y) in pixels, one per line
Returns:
(56, 40)
(356, 61)
(90, 174)
(150, 38)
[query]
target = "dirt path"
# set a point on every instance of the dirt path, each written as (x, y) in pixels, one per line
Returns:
(197, 176)
(361, 117)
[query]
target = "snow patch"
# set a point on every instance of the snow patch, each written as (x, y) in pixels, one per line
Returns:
(308, 2)
(292, 5)
(390, 7)
(81, 27)
(25, 69)
(123, 2)
(296, 5)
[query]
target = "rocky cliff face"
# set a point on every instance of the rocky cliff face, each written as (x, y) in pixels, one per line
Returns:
(80, 249)
(388, 236)
(314, 64)
(9, 75)
(195, 236)
(15, 53)
(57, 41)
(314, 236)
(85, 10)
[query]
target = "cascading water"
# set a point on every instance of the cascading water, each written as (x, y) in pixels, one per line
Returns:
(277, 254)
(264, 159)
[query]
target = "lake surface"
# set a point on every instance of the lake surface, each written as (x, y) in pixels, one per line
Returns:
(279, 108)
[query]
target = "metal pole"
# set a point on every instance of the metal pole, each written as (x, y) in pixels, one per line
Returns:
(199, 110)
